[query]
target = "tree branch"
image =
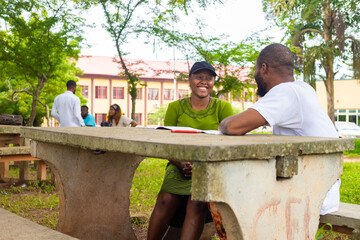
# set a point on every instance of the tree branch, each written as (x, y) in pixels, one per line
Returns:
(312, 30)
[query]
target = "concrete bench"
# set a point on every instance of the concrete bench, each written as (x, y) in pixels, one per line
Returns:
(265, 187)
(19, 152)
(345, 220)
(13, 226)
(21, 155)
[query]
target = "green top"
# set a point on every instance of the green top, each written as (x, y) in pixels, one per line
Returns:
(180, 113)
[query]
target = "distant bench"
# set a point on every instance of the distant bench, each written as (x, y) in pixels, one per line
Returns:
(15, 148)
(13, 226)
(345, 220)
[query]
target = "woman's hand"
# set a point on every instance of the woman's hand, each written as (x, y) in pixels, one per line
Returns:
(133, 124)
(185, 167)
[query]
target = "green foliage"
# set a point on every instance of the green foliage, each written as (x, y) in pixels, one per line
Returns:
(323, 32)
(146, 185)
(233, 61)
(158, 116)
(236, 110)
(356, 151)
(350, 183)
(36, 44)
(321, 231)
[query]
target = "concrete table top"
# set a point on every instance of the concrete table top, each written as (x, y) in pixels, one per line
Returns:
(265, 186)
(186, 146)
(10, 129)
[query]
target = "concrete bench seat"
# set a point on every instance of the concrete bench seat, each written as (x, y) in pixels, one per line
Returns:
(14, 148)
(345, 220)
(14, 227)
(19, 154)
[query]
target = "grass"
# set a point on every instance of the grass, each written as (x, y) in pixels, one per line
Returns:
(146, 185)
(356, 151)
(39, 202)
(350, 183)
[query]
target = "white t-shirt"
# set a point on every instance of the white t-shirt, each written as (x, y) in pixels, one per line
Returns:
(123, 122)
(293, 108)
(68, 106)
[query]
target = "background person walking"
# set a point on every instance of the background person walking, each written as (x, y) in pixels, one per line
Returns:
(66, 107)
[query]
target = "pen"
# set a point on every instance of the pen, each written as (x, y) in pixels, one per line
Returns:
(185, 131)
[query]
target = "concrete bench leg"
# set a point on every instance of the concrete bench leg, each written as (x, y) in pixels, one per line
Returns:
(255, 204)
(94, 190)
(355, 234)
(41, 170)
(4, 170)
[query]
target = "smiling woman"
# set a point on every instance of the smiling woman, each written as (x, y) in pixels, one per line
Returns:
(174, 205)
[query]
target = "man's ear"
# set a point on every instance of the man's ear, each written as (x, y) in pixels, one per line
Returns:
(264, 68)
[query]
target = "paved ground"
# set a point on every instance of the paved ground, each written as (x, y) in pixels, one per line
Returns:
(351, 159)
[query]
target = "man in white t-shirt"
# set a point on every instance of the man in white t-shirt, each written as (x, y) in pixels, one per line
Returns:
(66, 108)
(290, 107)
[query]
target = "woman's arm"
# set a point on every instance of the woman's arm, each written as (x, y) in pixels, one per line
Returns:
(133, 123)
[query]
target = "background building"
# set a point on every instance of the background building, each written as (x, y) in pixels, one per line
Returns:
(346, 99)
(102, 86)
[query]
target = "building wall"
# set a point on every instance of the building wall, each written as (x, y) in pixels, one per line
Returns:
(346, 99)
(145, 104)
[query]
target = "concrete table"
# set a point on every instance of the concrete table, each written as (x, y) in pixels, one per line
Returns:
(266, 187)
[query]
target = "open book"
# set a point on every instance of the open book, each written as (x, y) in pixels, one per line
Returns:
(176, 129)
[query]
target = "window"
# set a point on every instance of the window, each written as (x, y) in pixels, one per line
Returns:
(118, 92)
(138, 118)
(153, 94)
(100, 92)
(183, 93)
(139, 96)
(85, 91)
(100, 117)
(168, 94)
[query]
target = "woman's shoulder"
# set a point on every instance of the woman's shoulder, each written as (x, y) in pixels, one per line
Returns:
(177, 103)
(221, 103)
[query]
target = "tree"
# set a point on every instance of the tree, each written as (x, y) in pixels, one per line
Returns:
(233, 61)
(322, 33)
(39, 38)
(123, 22)
(158, 115)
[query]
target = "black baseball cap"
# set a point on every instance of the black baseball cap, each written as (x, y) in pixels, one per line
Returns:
(202, 66)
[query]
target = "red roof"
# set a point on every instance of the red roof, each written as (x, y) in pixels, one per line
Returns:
(98, 65)
(147, 69)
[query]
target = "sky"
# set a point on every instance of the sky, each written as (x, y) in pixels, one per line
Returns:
(236, 18)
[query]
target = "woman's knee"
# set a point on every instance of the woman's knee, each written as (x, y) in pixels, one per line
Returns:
(196, 206)
(168, 200)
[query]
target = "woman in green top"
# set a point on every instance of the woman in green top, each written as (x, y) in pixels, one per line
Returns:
(199, 111)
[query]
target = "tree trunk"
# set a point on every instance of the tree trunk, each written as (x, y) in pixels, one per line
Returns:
(328, 61)
(133, 99)
(42, 80)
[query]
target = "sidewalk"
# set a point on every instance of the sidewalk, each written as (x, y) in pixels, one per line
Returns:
(351, 159)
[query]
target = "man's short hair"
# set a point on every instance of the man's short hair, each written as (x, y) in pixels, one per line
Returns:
(84, 106)
(70, 84)
(277, 56)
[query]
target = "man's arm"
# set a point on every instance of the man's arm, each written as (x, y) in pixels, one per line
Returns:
(54, 111)
(77, 112)
(242, 123)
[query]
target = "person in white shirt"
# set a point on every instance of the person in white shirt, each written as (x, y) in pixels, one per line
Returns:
(66, 108)
(290, 107)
